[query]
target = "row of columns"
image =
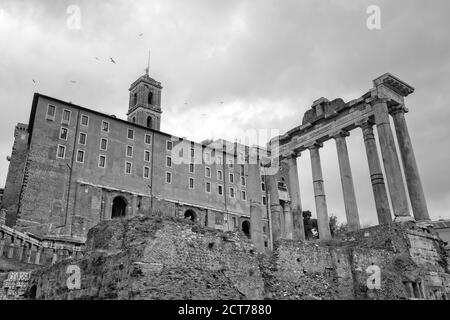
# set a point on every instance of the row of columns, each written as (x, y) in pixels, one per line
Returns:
(291, 216)
(22, 250)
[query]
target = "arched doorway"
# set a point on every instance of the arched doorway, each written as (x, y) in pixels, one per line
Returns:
(190, 214)
(119, 208)
(246, 228)
(149, 122)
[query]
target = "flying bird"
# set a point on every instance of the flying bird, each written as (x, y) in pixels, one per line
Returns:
(96, 58)
(33, 81)
(221, 102)
(140, 35)
(73, 81)
(112, 60)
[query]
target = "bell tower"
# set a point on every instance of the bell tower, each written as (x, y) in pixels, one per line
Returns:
(145, 102)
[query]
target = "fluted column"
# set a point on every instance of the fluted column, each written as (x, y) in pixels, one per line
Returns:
(415, 189)
(348, 189)
(391, 162)
(275, 207)
(376, 174)
(319, 193)
(298, 229)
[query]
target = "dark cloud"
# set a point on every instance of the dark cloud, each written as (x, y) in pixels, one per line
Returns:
(265, 60)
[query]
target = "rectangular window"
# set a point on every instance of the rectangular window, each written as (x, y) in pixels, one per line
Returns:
(84, 120)
(219, 175)
(243, 181)
(169, 145)
(207, 157)
(191, 183)
(51, 110)
(61, 152)
(146, 172)
(243, 195)
(208, 187)
(230, 163)
(208, 172)
(263, 186)
(148, 139)
(168, 177)
(80, 156)
(218, 159)
(147, 156)
(130, 134)
(82, 138)
(102, 161)
(66, 116)
(169, 162)
(242, 170)
(264, 202)
(220, 189)
(103, 144)
(105, 126)
(192, 152)
(128, 167)
(191, 168)
(231, 178)
(232, 192)
(63, 133)
(129, 151)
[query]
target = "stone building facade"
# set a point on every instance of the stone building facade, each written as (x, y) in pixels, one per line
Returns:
(72, 167)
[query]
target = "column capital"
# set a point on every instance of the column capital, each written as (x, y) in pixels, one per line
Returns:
(398, 109)
(314, 145)
(293, 155)
(377, 100)
(367, 123)
(340, 134)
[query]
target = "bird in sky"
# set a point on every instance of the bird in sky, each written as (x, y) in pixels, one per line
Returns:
(73, 81)
(221, 102)
(185, 103)
(140, 35)
(33, 81)
(96, 58)
(112, 60)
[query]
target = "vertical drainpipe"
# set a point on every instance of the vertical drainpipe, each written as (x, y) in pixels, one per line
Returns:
(71, 170)
(269, 216)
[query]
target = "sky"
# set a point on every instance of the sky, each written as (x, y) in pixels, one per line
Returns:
(231, 66)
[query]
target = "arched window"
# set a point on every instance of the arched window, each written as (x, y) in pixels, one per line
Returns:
(134, 119)
(190, 214)
(150, 97)
(149, 122)
(134, 98)
(246, 228)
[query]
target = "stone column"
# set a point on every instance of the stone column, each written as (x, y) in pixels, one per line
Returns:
(256, 232)
(29, 252)
(2, 244)
(415, 190)
(38, 255)
(20, 248)
(282, 222)
(348, 189)
(55, 256)
(376, 175)
(287, 213)
(298, 229)
(319, 193)
(391, 161)
(11, 248)
(275, 207)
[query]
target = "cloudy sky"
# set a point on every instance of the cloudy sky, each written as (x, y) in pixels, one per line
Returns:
(265, 60)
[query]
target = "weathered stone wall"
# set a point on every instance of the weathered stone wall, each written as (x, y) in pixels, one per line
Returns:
(15, 176)
(152, 258)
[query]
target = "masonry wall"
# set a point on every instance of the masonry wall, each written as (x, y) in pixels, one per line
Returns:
(16, 172)
(148, 258)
